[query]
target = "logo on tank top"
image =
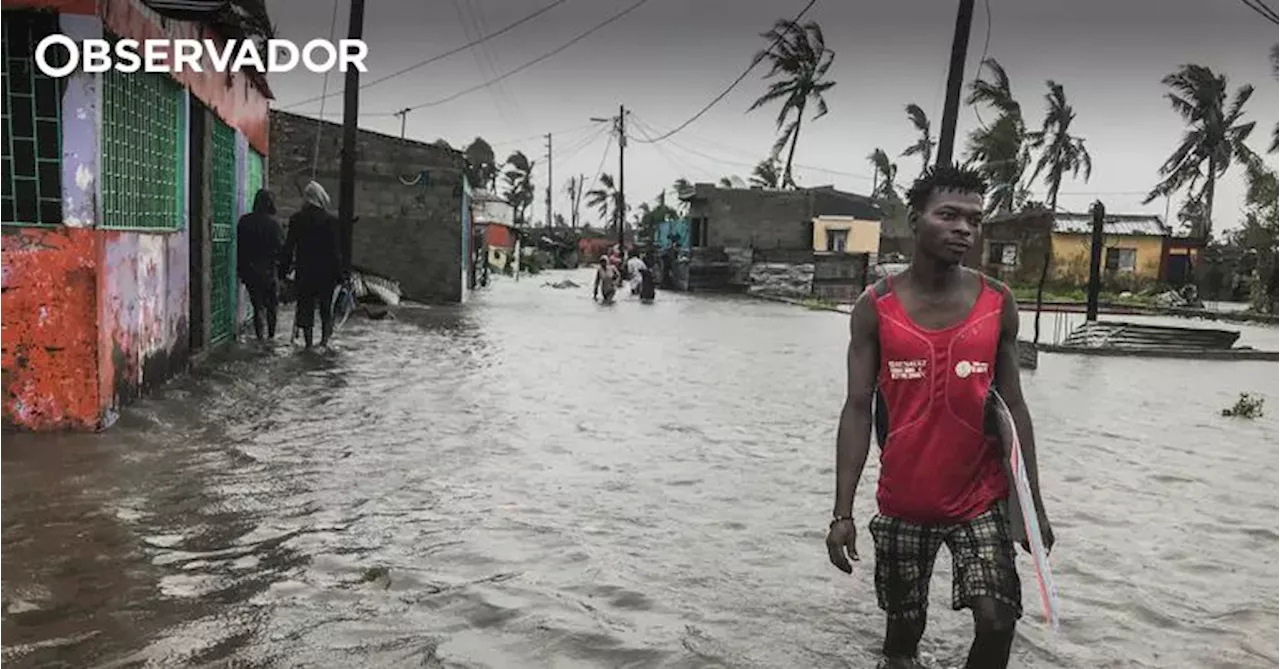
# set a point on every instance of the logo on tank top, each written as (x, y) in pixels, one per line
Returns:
(900, 370)
(966, 368)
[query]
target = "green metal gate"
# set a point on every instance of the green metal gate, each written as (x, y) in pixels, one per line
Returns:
(252, 178)
(222, 237)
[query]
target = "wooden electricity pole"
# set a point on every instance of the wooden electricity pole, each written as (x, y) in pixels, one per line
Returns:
(1095, 262)
(403, 114)
(955, 81)
(550, 210)
(622, 190)
(350, 115)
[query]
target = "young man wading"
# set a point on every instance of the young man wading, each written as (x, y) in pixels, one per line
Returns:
(927, 346)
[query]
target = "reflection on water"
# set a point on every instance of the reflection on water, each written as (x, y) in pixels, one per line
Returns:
(535, 480)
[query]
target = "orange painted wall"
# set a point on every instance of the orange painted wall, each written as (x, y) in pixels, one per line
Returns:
(498, 235)
(50, 336)
(242, 105)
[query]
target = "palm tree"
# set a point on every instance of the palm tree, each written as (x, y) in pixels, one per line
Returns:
(1214, 140)
(481, 170)
(999, 148)
(519, 180)
(766, 173)
(1060, 153)
(604, 198)
(923, 146)
(885, 174)
(799, 53)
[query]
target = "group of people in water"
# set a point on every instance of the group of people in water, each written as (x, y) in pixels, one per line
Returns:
(312, 251)
(612, 273)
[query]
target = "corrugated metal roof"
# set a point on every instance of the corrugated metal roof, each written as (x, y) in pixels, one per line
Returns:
(1137, 225)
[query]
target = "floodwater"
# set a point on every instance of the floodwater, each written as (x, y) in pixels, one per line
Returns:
(534, 480)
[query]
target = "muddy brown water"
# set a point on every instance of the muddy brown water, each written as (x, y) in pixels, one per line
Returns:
(533, 480)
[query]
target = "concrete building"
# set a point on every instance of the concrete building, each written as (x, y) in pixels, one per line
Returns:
(121, 195)
(766, 240)
(411, 199)
(1136, 248)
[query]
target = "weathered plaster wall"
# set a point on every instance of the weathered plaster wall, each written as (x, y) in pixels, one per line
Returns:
(51, 280)
(142, 312)
(50, 352)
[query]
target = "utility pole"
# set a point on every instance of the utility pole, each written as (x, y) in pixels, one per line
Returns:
(549, 182)
(622, 183)
(955, 81)
(1095, 262)
(403, 114)
(350, 114)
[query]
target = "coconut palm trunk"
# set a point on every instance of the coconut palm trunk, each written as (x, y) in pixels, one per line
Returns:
(787, 179)
(1048, 258)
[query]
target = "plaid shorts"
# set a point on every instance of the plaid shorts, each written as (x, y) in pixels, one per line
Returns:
(982, 559)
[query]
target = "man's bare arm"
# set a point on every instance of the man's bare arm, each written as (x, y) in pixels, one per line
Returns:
(1008, 383)
(853, 437)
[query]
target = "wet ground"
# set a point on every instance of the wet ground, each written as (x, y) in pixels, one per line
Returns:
(533, 480)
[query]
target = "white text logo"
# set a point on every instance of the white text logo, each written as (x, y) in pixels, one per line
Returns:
(179, 55)
(965, 368)
(906, 369)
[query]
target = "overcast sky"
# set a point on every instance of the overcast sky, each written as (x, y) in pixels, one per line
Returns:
(669, 58)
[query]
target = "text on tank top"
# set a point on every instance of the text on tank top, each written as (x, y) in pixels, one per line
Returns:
(937, 465)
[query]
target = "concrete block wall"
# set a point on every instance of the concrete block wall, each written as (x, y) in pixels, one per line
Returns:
(755, 217)
(409, 233)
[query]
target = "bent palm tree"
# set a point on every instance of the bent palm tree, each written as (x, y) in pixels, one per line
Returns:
(799, 53)
(766, 174)
(885, 174)
(925, 144)
(1214, 140)
(1060, 153)
(604, 198)
(999, 148)
(519, 180)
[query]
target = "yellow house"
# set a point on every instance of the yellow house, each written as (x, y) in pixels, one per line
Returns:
(1133, 245)
(845, 234)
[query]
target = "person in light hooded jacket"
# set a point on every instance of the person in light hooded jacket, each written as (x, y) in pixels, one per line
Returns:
(259, 239)
(313, 249)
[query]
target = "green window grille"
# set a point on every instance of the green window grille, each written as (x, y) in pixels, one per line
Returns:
(223, 233)
(32, 123)
(143, 153)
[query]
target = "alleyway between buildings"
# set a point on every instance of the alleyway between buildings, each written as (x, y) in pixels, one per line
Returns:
(534, 480)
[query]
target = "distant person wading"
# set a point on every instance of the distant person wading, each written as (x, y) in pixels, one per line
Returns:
(259, 240)
(314, 249)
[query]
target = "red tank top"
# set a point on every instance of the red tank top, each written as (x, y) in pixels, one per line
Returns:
(937, 464)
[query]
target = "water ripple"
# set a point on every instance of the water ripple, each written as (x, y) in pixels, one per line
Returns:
(531, 480)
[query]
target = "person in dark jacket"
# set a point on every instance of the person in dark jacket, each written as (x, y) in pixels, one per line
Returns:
(313, 249)
(259, 239)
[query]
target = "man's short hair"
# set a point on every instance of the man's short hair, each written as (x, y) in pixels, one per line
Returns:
(945, 177)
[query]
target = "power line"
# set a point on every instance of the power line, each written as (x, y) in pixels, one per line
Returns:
(634, 6)
(723, 161)
(541, 135)
(1262, 10)
(480, 40)
(718, 98)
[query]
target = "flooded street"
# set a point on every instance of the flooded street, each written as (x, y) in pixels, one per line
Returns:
(534, 480)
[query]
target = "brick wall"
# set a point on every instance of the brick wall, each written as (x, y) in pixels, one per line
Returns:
(412, 234)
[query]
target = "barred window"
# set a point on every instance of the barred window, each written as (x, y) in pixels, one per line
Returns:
(143, 152)
(32, 123)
